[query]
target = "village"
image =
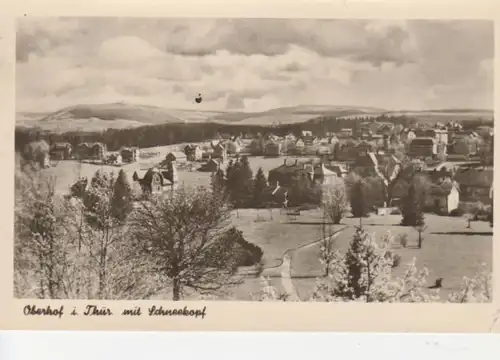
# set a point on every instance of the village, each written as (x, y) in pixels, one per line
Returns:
(457, 163)
(446, 153)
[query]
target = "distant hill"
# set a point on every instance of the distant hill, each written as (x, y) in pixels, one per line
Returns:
(97, 117)
(439, 115)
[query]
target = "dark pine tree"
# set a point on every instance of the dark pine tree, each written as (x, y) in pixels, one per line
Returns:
(411, 208)
(259, 187)
(358, 197)
(246, 171)
(232, 178)
(240, 183)
(121, 200)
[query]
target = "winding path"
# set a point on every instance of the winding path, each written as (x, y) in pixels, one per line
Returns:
(286, 267)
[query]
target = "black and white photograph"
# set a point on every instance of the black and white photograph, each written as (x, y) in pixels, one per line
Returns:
(254, 159)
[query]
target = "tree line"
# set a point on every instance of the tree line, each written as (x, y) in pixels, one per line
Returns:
(244, 190)
(168, 134)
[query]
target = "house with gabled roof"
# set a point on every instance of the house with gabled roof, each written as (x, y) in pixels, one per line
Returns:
(345, 133)
(272, 148)
(130, 154)
(476, 184)
(423, 147)
(61, 151)
(154, 180)
(386, 128)
(324, 175)
(289, 172)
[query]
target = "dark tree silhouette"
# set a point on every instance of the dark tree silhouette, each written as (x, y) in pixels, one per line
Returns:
(358, 197)
(259, 187)
(411, 207)
(121, 200)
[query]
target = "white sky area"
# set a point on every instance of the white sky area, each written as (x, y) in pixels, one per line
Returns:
(254, 64)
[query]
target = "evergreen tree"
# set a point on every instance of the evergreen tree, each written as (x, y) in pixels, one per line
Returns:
(240, 183)
(230, 176)
(259, 186)
(357, 260)
(411, 207)
(358, 198)
(97, 201)
(246, 171)
(121, 200)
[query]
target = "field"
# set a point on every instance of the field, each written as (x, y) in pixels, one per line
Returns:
(449, 250)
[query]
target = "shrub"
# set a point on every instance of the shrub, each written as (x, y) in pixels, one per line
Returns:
(247, 254)
(458, 212)
(396, 260)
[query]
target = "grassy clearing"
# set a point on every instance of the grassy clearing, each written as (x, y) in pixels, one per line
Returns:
(278, 235)
(449, 250)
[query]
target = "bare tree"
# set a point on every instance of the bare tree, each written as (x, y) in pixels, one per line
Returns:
(101, 229)
(116, 270)
(328, 254)
(420, 229)
(185, 236)
(335, 201)
(46, 264)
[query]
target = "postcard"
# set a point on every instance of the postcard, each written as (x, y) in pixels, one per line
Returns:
(317, 168)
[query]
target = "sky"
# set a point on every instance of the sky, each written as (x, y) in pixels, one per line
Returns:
(254, 64)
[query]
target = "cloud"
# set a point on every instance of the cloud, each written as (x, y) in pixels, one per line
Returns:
(234, 101)
(253, 63)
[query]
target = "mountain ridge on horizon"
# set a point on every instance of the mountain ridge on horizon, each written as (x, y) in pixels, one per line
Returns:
(89, 117)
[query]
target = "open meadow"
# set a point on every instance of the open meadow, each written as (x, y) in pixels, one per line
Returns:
(450, 250)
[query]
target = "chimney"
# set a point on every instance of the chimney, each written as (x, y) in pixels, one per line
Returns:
(284, 162)
(296, 162)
